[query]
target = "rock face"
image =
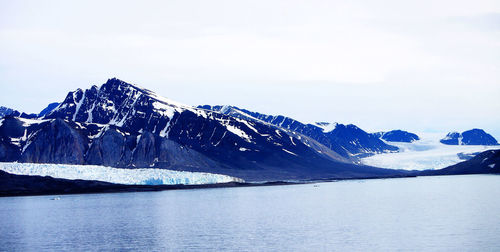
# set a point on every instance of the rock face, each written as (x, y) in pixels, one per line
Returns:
(469, 137)
(398, 136)
(122, 125)
(346, 140)
(483, 163)
(56, 142)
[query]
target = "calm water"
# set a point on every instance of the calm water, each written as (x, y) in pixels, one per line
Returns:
(453, 213)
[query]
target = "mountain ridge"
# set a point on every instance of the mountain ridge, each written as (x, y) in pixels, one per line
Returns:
(347, 140)
(123, 125)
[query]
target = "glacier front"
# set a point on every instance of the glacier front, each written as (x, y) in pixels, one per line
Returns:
(139, 176)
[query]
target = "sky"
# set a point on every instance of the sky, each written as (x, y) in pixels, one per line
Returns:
(422, 66)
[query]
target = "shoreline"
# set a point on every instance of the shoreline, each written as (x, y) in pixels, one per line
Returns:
(56, 186)
(67, 187)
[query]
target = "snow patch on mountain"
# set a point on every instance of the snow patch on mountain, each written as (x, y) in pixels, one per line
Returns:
(289, 152)
(326, 126)
(426, 153)
(142, 176)
(239, 132)
(78, 105)
(27, 122)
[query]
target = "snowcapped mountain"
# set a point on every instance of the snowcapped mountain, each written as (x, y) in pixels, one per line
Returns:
(346, 140)
(4, 111)
(469, 137)
(397, 136)
(119, 124)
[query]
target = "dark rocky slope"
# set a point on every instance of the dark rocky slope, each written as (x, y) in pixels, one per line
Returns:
(346, 140)
(483, 163)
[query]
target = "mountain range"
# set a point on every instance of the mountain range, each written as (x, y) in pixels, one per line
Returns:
(346, 140)
(119, 124)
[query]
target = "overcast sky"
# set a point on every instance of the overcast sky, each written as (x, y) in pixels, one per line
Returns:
(427, 65)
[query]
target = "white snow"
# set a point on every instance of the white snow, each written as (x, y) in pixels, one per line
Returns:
(162, 104)
(78, 105)
(101, 131)
(248, 125)
(25, 135)
(28, 122)
(244, 149)
(238, 132)
(289, 152)
(140, 176)
(278, 133)
(223, 135)
(165, 100)
(89, 112)
(427, 153)
(164, 132)
(165, 110)
(225, 109)
(325, 126)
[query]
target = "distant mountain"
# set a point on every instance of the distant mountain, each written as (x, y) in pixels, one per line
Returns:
(484, 162)
(48, 109)
(397, 136)
(122, 125)
(469, 137)
(346, 140)
(4, 111)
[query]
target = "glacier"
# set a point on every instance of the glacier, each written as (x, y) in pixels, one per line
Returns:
(425, 154)
(139, 176)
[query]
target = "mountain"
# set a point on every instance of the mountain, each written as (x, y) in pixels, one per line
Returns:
(483, 163)
(4, 111)
(346, 140)
(48, 109)
(119, 124)
(398, 136)
(469, 137)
